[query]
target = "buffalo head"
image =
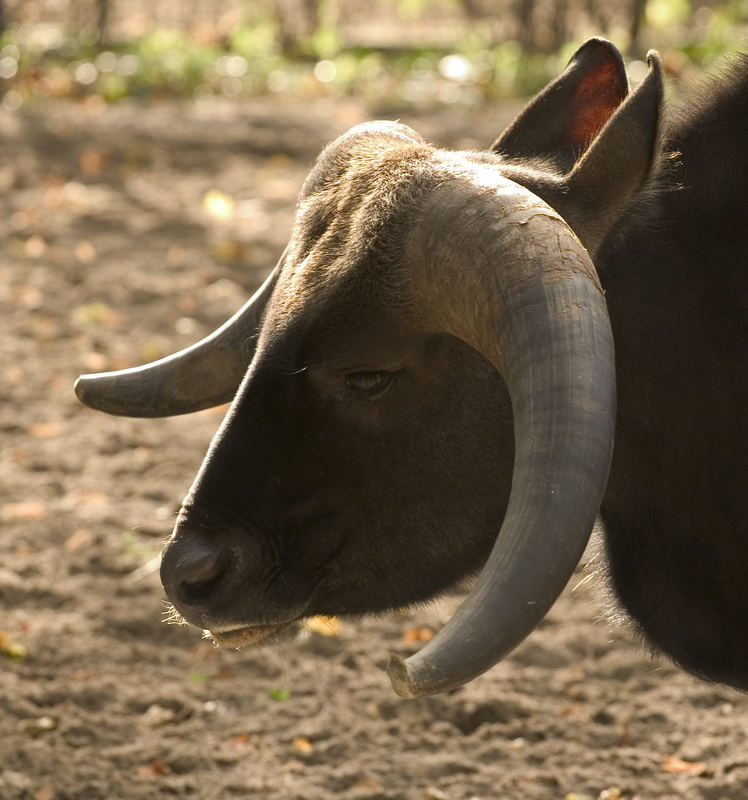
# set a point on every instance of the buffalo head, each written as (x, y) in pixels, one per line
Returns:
(429, 364)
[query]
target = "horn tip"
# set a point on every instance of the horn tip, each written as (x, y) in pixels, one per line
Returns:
(91, 391)
(80, 386)
(400, 678)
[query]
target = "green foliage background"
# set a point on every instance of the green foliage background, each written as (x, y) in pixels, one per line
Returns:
(256, 56)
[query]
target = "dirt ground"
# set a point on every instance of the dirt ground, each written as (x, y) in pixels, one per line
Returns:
(128, 232)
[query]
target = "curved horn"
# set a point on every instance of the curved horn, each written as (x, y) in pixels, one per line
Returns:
(513, 280)
(203, 375)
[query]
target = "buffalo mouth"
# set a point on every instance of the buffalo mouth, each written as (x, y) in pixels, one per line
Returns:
(245, 636)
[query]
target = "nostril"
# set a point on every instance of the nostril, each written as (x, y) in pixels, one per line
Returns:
(198, 572)
(198, 592)
(198, 564)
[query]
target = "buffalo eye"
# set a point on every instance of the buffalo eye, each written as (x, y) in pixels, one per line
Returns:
(369, 384)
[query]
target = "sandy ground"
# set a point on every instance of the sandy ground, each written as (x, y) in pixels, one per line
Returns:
(129, 232)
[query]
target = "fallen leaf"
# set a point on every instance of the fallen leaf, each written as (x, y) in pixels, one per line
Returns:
(46, 792)
(19, 455)
(96, 313)
(422, 634)
(34, 246)
(612, 793)
(44, 430)
(22, 219)
(36, 727)
(678, 766)
(92, 160)
(84, 498)
(367, 783)
(155, 716)
(85, 252)
(78, 540)
(94, 361)
(30, 297)
(156, 768)
(279, 695)
(242, 741)
(150, 351)
(10, 648)
(14, 375)
(28, 510)
(227, 250)
(302, 744)
(324, 626)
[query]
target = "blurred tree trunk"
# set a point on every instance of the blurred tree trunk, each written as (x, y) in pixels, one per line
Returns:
(560, 17)
(102, 18)
(596, 12)
(636, 19)
(471, 9)
(297, 19)
(523, 13)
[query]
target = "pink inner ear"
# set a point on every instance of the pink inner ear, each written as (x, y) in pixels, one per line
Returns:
(596, 97)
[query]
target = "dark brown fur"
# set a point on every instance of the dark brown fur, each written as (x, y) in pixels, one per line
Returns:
(320, 497)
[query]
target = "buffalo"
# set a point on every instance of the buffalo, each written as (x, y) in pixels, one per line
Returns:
(429, 384)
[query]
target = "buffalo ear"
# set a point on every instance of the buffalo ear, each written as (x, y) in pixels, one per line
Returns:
(593, 194)
(561, 122)
(618, 162)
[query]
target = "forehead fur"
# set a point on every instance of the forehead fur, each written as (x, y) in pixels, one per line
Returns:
(361, 200)
(357, 205)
